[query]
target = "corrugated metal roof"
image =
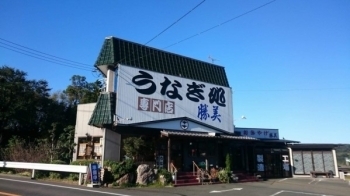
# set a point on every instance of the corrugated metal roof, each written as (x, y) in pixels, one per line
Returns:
(104, 110)
(197, 134)
(313, 146)
(117, 51)
(279, 141)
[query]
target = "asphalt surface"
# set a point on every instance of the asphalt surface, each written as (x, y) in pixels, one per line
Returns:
(23, 186)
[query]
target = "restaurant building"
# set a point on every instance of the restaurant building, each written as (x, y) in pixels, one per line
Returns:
(180, 105)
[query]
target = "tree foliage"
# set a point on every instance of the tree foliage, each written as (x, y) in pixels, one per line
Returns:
(30, 117)
(228, 162)
(20, 150)
(23, 103)
(136, 147)
(80, 91)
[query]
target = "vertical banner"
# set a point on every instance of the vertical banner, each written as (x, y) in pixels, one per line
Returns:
(94, 173)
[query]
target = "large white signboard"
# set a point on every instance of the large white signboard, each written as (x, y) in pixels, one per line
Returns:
(258, 133)
(144, 96)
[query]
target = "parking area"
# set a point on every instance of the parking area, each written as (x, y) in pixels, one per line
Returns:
(274, 187)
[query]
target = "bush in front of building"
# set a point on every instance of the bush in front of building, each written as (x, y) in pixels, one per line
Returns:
(224, 175)
(164, 177)
(119, 169)
(228, 162)
(75, 177)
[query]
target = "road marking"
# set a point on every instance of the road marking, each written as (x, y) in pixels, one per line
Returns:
(303, 193)
(234, 189)
(7, 194)
(311, 181)
(277, 193)
(283, 180)
(318, 181)
(66, 187)
(315, 181)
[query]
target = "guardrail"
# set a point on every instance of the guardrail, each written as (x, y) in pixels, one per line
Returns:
(46, 167)
(342, 175)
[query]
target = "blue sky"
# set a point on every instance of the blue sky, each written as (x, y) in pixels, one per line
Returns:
(288, 62)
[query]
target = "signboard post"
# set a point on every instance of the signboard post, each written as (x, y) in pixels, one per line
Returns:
(93, 175)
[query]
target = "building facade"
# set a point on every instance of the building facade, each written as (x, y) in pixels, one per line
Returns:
(180, 105)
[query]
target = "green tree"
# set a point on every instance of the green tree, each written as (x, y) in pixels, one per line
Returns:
(80, 91)
(66, 144)
(228, 162)
(23, 104)
(135, 147)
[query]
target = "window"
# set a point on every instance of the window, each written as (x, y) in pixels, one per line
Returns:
(97, 149)
(201, 149)
(81, 149)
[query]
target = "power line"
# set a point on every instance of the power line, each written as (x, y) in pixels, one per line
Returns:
(39, 56)
(56, 62)
(202, 32)
(174, 22)
(227, 21)
(83, 66)
(164, 31)
(86, 65)
(291, 90)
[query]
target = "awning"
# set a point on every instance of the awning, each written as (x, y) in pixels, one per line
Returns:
(104, 110)
(313, 146)
(167, 133)
(279, 141)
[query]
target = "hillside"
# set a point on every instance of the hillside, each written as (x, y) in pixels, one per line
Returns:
(342, 153)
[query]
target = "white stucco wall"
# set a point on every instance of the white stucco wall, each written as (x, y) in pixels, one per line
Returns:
(82, 128)
(111, 140)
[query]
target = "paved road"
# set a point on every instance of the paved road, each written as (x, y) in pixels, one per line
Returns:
(13, 186)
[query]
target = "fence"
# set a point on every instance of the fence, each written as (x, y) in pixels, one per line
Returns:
(46, 167)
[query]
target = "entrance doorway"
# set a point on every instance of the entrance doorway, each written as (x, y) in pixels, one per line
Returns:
(275, 166)
(177, 154)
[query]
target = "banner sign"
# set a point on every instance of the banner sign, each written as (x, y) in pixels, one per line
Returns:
(145, 96)
(94, 173)
(258, 133)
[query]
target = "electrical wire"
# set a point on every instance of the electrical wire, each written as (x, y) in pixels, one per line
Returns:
(225, 22)
(86, 65)
(39, 56)
(175, 22)
(211, 28)
(164, 31)
(55, 62)
(291, 90)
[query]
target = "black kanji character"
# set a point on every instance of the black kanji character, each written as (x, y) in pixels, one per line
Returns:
(217, 95)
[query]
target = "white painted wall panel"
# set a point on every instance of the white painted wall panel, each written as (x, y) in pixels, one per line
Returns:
(176, 125)
(81, 126)
(131, 110)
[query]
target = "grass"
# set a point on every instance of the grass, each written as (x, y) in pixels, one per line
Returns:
(347, 177)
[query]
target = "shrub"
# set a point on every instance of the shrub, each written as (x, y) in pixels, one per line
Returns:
(224, 175)
(83, 162)
(55, 175)
(119, 169)
(166, 175)
(73, 177)
(228, 162)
